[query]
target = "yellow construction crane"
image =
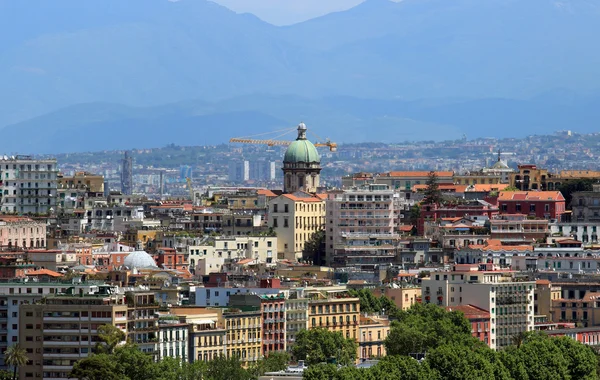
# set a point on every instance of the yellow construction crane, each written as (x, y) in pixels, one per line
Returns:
(271, 142)
(190, 189)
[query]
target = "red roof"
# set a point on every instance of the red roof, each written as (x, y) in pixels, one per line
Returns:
(44, 272)
(266, 192)
(531, 196)
(418, 174)
(470, 311)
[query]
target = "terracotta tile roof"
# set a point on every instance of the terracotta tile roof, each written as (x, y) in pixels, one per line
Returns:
(470, 311)
(300, 196)
(266, 192)
(44, 272)
(489, 187)
(244, 261)
(542, 282)
(405, 228)
(443, 186)
(418, 174)
(531, 196)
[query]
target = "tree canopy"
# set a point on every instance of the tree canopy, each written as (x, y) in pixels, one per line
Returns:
(127, 362)
(568, 188)
(321, 345)
(451, 353)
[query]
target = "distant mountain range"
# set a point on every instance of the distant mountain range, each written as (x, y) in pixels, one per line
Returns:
(110, 74)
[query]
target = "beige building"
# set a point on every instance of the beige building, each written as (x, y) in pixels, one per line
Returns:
(335, 311)
(372, 334)
(63, 329)
(403, 297)
(544, 296)
(83, 181)
(295, 218)
(210, 258)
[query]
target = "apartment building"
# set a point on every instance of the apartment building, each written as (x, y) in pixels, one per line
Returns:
(586, 205)
(404, 297)
(274, 323)
(518, 228)
(173, 338)
(537, 204)
(478, 318)
(372, 334)
(296, 307)
(142, 319)
(207, 340)
(585, 232)
(243, 334)
(28, 185)
(82, 180)
(402, 180)
(509, 302)
(335, 311)
(295, 218)
(22, 232)
(63, 329)
(210, 257)
(16, 293)
(360, 227)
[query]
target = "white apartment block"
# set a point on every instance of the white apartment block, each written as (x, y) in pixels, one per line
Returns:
(28, 185)
(360, 224)
(211, 257)
(585, 232)
(510, 303)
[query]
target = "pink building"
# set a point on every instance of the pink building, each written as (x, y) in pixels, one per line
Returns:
(21, 232)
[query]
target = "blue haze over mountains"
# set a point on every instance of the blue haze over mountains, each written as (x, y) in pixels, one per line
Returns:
(113, 74)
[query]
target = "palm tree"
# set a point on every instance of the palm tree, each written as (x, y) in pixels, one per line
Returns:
(15, 356)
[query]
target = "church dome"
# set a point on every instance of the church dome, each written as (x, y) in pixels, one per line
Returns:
(301, 150)
(500, 165)
(139, 259)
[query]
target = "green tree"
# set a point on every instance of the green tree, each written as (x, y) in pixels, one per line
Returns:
(276, 361)
(461, 362)
(5, 375)
(541, 357)
(15, 356)
(320, 372)
(319, 345)
(314, 248)
(402, 367)
(135, 364)
(425, 326)
(96, 367)
(227, 368)
(110, 336)
(175, 369)
(433, 195)
(568, 188)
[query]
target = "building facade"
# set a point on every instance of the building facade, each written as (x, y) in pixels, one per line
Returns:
(28, 185)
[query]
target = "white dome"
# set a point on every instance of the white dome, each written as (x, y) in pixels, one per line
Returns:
(139, 259)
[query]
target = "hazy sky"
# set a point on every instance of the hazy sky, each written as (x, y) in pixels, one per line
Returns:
(285, 12)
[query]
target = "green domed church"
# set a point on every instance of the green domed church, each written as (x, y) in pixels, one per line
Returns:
(301, 165)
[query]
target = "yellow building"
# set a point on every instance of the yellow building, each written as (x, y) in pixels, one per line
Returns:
(335, 311)
(148, 239)
(295, 218)
(477, 178)
(243, 331)
(372, 334)
(82, 181)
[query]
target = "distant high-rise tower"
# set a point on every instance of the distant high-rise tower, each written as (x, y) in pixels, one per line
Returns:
(127, 174)
(162, 184)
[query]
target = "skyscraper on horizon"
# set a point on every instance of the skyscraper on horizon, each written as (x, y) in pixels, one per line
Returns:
(127, 174)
